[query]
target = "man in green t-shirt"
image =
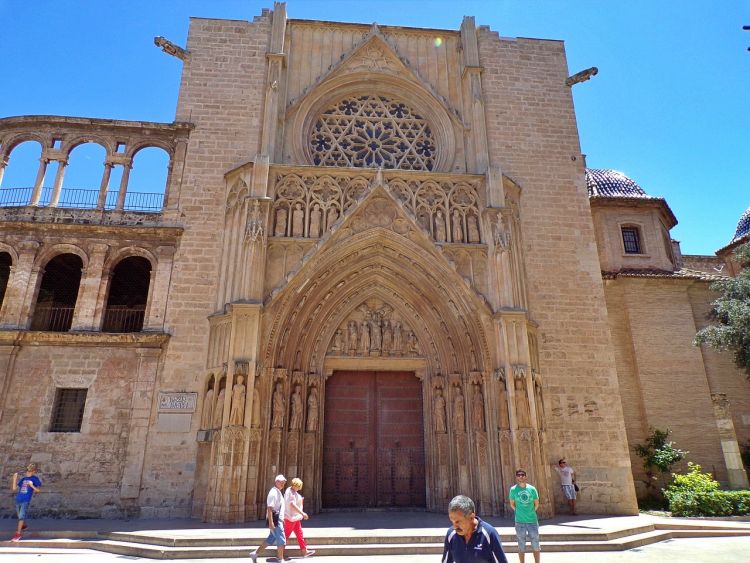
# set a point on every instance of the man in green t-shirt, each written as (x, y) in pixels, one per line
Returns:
(524, 500)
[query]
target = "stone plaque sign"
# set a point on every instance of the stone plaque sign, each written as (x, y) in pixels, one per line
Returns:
(177, 402)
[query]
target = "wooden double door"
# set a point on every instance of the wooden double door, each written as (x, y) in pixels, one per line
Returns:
(373, 441)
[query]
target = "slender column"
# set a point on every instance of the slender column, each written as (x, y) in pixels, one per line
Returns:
(104, 186)
(174, 176)
(101, 300)
(123, 186)
(157, 305)
(83, 317)
(57, 187)
(18, 283)
(36, 194)
(3, 164)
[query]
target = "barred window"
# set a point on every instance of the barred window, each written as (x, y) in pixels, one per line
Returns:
(631, 240)
(67, 413)
(372, 132)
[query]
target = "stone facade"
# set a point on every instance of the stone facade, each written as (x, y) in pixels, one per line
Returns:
(347, 198)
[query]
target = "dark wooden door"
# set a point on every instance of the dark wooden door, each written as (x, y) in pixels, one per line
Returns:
(373, 443)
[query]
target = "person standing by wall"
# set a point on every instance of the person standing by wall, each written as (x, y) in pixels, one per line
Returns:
(524, 500)
(568, 481)
(293, 515)
(25, 487)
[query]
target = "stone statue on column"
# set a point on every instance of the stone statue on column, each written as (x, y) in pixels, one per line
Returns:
(315, 216)
(298, 220)
(280, 227)
(295, 418)
(353, 338)
(218, 409)
(237, 412)
(387, 337)
(477, 409)
(473, 227)
(439, 408)
(312, 410)
(376, 336)
(277, 407)
(458, 229)
(338, 341)
(332, 216)
(255, 422)
(439, 226)
(522, 400)
(398, 344)
(208, 403)
(459, 411)
(365, 338)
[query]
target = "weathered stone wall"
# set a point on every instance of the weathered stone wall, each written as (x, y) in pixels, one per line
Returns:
(533, 137)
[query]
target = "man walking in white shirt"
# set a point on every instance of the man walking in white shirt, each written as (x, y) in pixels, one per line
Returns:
(275, 517)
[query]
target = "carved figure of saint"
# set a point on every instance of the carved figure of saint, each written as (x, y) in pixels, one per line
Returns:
(279, 229)
(333, 214)
(459, 411)
(315, 216)
(237, 412)
(255, 422)
(312, 410)
(375, 334)
(473, 228)
(277, 408)
(218, 410)
(338, 341)
(353, 339)
(439, 226)
(522, 403)
(458, 230)
(365, 338)
(208, 403)
(439, 408)
(411, 343)
(477, 409)
(387, 337)
(397, 342)
(424, 221)
(298, 220)
(295, 418)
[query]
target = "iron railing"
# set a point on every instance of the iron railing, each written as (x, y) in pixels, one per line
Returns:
(78, 198)
(124, 319)
(52, 317)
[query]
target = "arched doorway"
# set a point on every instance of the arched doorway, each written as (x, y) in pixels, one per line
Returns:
(58, 294)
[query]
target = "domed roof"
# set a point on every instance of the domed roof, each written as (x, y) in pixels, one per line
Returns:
(743, 226)
(604, 182)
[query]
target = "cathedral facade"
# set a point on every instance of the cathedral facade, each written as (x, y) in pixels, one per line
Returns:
(379, 264)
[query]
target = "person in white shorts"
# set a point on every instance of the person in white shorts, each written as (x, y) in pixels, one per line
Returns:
(568, 481)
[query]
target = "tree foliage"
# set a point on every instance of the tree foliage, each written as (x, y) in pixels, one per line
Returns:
(731, 314)
(658, 452)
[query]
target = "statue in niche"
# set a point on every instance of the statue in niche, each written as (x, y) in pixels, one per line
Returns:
(387, 337)
(298, 220)
(312, 410)
(237, 412)
(353, 339)
(280, 227)
(411, 343)
(522, 402)
(255, 422)
(332, 216)
(208, 402)
(439, 408)
(376, 336)
(459, 411)
(365, 338)
(315, 216)
(504, 416)
(424, 222)
(473, 228)
(295, 418)
(397, 342)
(338, 341)
(458, 230)
(277, 408)
(219, 409)
(439, 226)
(477, 409)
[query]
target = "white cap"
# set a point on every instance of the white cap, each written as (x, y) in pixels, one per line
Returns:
(280, 477)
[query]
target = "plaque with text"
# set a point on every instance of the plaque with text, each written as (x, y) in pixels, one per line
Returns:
(177, 402)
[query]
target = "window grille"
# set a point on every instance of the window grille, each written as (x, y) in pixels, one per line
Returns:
(67, 413)
(631, 240)
(372, 132)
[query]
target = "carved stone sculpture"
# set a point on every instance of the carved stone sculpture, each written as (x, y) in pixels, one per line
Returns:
(365, 338)
(387, 337)
(208, 403)
(333, 214)
(295, 418)
(338, 341)
(439, 408)
(218, 410)
(459, 411)
(411, 343)
(477, 409)
(522, 402)
(439, 226)
(255, 422)
(473, 227)
(277, 408)
(398, 345)
(376, 336)
(315, 216)
(458, 230)
(298, 220)
(237, 412)
(312, 410)
(353, 339)
(280, 227)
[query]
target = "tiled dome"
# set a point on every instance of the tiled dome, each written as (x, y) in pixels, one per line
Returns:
(604, 182)
(743, 226)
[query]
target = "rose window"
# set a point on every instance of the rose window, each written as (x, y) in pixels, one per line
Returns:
(372, 132)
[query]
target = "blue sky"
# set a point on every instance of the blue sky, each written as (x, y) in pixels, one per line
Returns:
(670, 106)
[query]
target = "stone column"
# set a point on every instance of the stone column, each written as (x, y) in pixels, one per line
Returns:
(732, 457)
(83, 317)
(18, 285)
(104, 186)
(474, 96)
(123, 186)
(57, 186)
(36, 194)
(174, 175)
(3, 164)
(142, 398)
(159, 290)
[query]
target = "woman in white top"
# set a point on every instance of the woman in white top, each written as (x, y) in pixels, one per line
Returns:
(293, 515)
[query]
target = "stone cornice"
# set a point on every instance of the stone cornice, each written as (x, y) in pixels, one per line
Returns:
(96, 339)
(80, 222)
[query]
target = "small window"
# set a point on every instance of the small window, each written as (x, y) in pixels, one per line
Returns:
(631, 240)
(67, 413)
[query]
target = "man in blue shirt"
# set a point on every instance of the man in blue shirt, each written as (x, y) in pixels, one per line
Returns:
(470, 539)
(26, 486)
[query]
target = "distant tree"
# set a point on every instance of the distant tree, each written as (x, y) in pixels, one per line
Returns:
(659, 454)
(731, 314)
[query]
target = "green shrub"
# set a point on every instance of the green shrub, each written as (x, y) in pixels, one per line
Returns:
(697, 494)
